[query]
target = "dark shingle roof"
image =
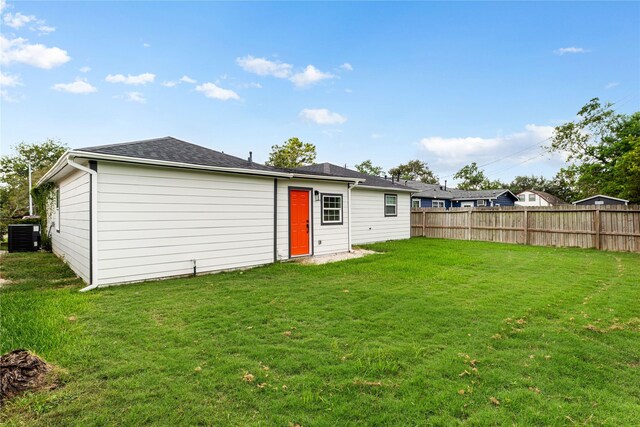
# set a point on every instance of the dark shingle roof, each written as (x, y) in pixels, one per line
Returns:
(329, 169)
(478, 194)
(175, 150)
(436, 191)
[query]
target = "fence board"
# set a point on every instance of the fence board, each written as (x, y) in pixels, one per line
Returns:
(612, 228)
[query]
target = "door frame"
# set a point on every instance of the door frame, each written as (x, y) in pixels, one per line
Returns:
(309, 190)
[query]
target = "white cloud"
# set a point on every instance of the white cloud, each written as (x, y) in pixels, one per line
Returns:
(37, 55)
(146, 45)
(18, 20)
(140, 79)
(310, 75)
(188, 79)
(611, 85)
(564, 50)
(346, 66)
(4, 95)
(251, 85)
(85, 69)
(9, 80)
(322, 116)
(135, 97)
(377, 136)
(170, 84)
(3, 4)
(211, 90)
(458, 151)
(79, 86)
(264, 67)
(43, 29)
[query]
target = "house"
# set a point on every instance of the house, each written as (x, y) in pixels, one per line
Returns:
(380, 207)
(437, 196)
(601, 199)
(538, 198)
(164, 207)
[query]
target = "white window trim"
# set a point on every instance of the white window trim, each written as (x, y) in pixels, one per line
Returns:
(415, 201)
(323, 208)
(395, 205)
(482, 203)
(58, 196)
(439, 202)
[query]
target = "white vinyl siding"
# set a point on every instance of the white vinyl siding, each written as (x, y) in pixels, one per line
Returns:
(70, 236)
(153, 221)
(328, 238)
(369, 223)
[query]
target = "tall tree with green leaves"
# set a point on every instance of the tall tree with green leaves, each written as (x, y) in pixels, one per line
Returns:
(521, 183)
(14, 173)
(601, 146)
(415, 170)
(368, 168)
(473, 178)
(292, 154)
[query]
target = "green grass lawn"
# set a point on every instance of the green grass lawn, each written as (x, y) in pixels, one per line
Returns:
(432, 332)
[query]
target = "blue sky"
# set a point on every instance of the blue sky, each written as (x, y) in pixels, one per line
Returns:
(448, 83)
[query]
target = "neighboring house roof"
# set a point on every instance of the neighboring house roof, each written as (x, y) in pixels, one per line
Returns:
(550, 198)
(430, 191)
(329, 169)
(480, 194)
(175, 150)
(435, 191)
(603, 196)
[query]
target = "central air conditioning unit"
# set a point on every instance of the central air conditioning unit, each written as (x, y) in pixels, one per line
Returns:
(24, 237)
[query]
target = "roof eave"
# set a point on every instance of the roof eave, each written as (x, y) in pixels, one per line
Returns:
(374, 187)
(167, 163)
(326, 177)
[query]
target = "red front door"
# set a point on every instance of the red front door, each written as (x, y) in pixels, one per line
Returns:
(299, 222)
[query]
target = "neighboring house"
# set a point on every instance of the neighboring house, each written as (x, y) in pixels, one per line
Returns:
(379, 209)
(538, 198)
(437, 196)
(164, 207)
(601, 199)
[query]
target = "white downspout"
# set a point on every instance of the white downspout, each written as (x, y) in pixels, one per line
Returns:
(94, 223)
(349, 187)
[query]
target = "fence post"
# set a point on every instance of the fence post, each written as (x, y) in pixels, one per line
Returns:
(424, 223)
(526, 226)
(469, 223)
(596, 226)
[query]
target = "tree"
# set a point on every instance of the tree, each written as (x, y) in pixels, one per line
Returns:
(522, 183)
(292, 154)
(415, 170)
(14, 171)
(367, 167)
(601, 147)
(473, 178)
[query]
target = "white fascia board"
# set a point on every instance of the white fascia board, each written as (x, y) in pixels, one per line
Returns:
(388, 189)
(326, 178)
(57, 167)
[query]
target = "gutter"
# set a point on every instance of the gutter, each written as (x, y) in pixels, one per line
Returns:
(349, 187)
(93, 219)
(326, 177)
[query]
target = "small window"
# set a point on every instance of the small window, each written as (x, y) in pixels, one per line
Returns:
(437, 203)
(390, 205)
(482, 203)
(532, 197)
(415, 203)
(331, 209)
(57, 219)
(521, 198)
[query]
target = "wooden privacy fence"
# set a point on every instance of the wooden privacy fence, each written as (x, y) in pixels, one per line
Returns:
(606, 227)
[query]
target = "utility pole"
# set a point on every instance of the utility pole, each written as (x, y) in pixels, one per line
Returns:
(30, 198)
